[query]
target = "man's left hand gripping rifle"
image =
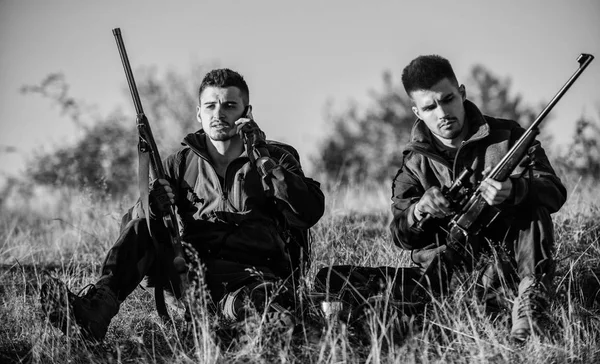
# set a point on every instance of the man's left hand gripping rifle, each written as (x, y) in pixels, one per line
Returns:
(150, 165)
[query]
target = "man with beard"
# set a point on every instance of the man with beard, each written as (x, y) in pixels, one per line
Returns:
(450, 133)
(237, 209)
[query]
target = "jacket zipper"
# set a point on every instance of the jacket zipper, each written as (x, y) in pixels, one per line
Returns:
(460, 147)
(223, 191)
(456, 159)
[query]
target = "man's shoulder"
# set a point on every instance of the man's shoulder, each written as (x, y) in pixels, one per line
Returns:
(178, 162)
(493, 122)
(179, 154)
(412, 161)
(280, 147)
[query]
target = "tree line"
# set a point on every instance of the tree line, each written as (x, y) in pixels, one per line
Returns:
(363, 144)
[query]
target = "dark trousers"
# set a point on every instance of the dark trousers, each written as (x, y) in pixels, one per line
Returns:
(523, 235)
(518, 244)
(354, 285)
(526, 235)
(130, 260)
(136, 255)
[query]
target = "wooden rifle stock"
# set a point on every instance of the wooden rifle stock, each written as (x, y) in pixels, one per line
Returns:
(150, 165)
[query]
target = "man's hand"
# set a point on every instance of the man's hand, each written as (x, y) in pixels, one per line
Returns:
(161, 195)
(249, 129)
(424, 257)
(258, 144)
(495, 192)
(433, 203)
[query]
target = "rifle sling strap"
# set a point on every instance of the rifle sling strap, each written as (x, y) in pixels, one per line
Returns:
(143, 176)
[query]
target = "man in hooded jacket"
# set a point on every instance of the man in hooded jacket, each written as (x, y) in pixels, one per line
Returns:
(236, 208)
(450, 133)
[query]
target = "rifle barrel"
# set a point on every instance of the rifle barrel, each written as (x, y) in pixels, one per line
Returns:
(128, 73)
(584, 60)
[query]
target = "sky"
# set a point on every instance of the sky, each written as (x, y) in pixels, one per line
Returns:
(295, 56)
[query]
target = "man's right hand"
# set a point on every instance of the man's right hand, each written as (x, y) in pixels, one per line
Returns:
(161, 196)
(433, 203)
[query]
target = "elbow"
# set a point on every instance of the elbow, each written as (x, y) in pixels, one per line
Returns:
(305, 218)
(317, 210)
(558, 200)
(561, 198)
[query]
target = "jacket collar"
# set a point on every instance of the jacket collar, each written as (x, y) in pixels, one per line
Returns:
(421, 137)
(197, 142)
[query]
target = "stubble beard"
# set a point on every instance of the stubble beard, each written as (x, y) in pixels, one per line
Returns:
(452, 133)
(220, 136)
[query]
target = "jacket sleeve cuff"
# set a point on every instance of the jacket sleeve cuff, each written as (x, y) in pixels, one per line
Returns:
(520, 190)
(411, 219)
(412, 258)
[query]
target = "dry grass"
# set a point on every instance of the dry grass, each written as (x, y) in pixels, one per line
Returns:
(68, 233)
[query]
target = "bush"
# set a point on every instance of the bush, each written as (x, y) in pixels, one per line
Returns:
(367, 145)
(104, 159)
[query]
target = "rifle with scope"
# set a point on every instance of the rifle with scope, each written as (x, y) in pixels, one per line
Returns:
(473, 213)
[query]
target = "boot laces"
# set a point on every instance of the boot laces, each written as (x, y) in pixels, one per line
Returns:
(532, 301)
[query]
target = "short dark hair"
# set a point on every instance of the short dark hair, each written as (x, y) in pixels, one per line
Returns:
(425, 71)
(224, 77)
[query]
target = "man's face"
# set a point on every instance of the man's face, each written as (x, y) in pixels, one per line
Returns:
(219, 109)
(441, 108)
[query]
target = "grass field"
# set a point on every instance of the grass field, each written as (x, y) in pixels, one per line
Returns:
(68, 233)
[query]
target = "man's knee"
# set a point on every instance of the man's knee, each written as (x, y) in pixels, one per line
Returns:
(132, 246)
(135, 230)
(534, 215)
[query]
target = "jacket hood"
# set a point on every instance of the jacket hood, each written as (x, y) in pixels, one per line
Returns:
(421, 137)
(196, 140)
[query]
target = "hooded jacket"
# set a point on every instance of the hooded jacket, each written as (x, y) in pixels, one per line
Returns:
(488, 140)
(236, 220)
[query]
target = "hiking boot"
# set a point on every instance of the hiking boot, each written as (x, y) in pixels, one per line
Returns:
(277, 322)
(528, 309)
(92, 311)
(280, 320)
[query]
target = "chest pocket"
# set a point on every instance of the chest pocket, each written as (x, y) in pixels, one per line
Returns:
(437, 172)
(242, 191)
(246, 191)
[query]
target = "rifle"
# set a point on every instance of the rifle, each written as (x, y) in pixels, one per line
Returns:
(474, 213)
(150, 165)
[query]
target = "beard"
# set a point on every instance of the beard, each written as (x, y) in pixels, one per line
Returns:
(220, 131)
(220, 135)
(456, 128)
(451, 134)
